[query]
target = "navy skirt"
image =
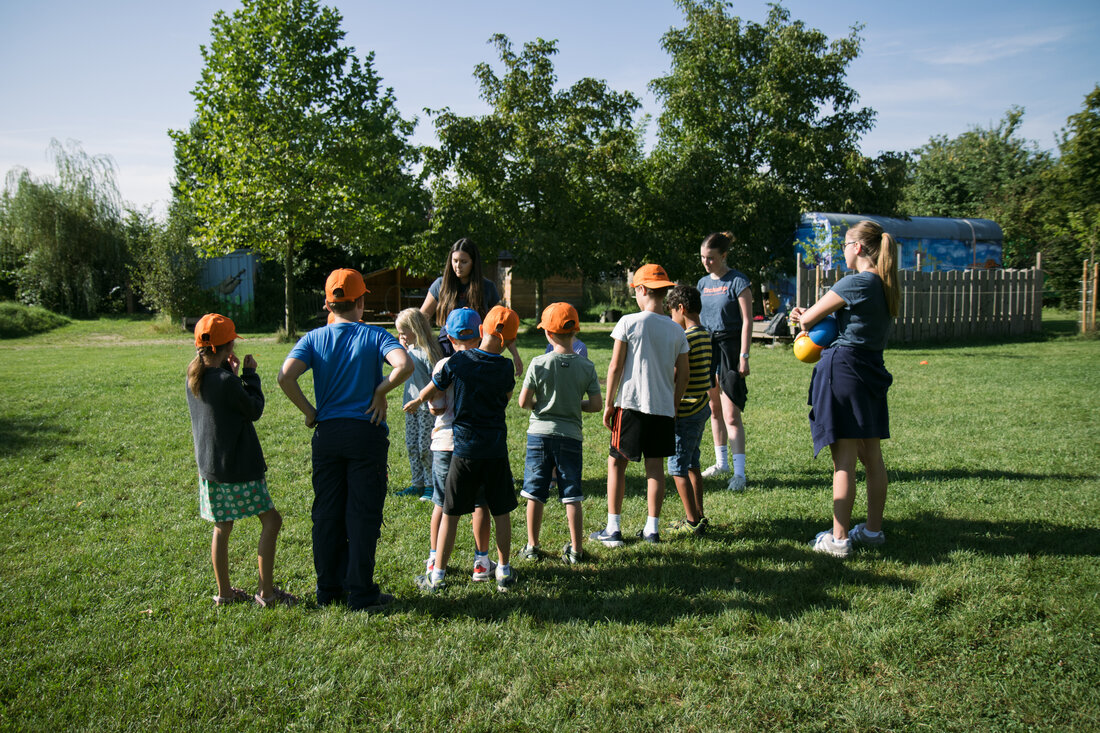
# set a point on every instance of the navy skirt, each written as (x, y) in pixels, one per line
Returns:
(848, 396)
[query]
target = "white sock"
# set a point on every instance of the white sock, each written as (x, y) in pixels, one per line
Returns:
(739, 464)
(721, 454)
(651, 525)
(502, 570)
(613, 523)
(869, 533)
(437, 574)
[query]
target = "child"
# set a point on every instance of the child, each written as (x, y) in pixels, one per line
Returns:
(462, 332)
(693, 412)
(646, 379)
(554, 389)
(232, 482)
(848, 388)
(415, 334)
(579, 348)
(483, 382)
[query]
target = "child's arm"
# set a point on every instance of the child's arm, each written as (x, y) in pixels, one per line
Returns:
(429, 393)
(594, 403)
(614, 375)
(402, 368)
(527, 398)
(682, 374)
(250, 400)
(288, 381)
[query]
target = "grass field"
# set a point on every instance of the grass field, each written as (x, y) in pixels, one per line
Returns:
(980, 613)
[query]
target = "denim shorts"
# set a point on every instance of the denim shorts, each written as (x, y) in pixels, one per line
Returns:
(441, 463)
(689, 433)
(544, 454)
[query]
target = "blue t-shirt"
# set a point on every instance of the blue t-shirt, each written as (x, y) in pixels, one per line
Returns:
(489, 294)
(864, 321)
(721, 310)
(578, 348)
(482, 384)
(346, 359)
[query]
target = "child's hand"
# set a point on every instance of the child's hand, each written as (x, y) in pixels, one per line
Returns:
(249, 362)
(412, 406)
(608, 413)
(234, 363)
(404, 342)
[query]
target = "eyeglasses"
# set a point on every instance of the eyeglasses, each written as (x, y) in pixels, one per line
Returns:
(846, 243)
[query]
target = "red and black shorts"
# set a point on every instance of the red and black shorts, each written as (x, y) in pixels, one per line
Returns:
(636, 434)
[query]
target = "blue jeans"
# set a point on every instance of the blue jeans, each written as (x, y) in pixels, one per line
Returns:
(441, 463)
(689, 433)
(349, 490)
(544, 454)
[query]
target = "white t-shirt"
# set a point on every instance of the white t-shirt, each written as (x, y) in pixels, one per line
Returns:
(442, 433)
(653, 343)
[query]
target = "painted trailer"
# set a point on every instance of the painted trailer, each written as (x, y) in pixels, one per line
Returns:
(941, 243)
(231, 279)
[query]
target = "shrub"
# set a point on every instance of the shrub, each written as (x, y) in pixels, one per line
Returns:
(18, 320)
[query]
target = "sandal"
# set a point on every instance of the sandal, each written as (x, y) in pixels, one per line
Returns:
(236, 595)
(282, 598)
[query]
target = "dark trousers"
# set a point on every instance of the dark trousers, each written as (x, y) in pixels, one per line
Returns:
(349, 490)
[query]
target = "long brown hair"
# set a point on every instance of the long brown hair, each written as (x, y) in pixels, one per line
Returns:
(881, 248)
(448, 291)
(198, 366)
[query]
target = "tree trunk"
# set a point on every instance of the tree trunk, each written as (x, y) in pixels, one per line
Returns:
(538, 298)
(291, 326)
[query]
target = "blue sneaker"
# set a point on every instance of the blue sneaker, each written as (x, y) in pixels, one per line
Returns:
(505, 579)
(426, 584)
(427, 495)
(411, 491)
(609, 539)
(652, 539)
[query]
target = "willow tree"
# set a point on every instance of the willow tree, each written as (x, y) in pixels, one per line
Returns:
(294, 141)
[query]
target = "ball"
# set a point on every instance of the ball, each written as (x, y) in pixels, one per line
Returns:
(824, 332)
(806, 351)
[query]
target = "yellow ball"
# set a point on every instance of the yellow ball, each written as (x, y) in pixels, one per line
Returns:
(806, 351)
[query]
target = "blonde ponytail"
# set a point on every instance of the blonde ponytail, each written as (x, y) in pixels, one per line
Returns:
(887, 266)
(195, 371)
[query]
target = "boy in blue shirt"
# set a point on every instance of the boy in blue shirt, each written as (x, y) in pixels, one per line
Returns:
(554, 389)
(483, 383)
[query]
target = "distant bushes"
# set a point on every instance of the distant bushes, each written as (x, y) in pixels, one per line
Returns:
(20, 320)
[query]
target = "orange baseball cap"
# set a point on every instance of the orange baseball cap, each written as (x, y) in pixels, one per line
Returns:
(501, 321)
(343, 285)
(560, 318)
(214, 330)
(651, 276)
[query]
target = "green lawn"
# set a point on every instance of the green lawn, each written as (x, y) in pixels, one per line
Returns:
(980, 613)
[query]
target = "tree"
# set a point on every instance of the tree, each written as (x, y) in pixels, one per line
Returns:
(63, 241)
(546, 174)
(985, 173)
(1080, 174)
(166, 265)
(294, 141)
(758, 124)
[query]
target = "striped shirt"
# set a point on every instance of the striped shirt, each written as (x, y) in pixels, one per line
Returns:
(695, 397)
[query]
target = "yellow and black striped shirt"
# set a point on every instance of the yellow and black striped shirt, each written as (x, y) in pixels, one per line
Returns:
(695, 398)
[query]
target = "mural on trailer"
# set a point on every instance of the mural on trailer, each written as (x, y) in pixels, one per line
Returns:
(232, 280)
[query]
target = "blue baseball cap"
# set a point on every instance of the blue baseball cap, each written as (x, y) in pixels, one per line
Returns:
(463, 324)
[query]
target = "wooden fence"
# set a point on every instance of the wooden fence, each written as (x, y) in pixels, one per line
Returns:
(951, 305)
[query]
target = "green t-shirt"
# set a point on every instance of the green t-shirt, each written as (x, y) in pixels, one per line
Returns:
(559, 383)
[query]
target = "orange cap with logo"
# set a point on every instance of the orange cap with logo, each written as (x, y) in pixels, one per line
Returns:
(344, 285)
(501, 321)
(560, 318)
(651, 276)
(214, 330)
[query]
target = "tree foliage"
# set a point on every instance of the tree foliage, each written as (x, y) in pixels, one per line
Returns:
(294, 141)
(1080, 175)
(62, 240)
(548, 174)
(166, 265)
(758, 124)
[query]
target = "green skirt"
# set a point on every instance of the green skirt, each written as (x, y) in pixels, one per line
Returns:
(226, 502)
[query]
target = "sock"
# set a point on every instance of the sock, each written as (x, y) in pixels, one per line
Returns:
(869, 533)
(431, 555)
(721, 454)
(502, 570)
(651, 526)
(739, 464)
(437, 574)
(613, 524)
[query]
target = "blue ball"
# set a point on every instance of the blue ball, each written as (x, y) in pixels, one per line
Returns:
(824, 331)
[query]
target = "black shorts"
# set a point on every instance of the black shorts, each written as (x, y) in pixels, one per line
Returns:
(467, 478)
(636, 434)
(726, 359)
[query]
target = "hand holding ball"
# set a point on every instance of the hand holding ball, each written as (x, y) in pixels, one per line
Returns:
(808, 347)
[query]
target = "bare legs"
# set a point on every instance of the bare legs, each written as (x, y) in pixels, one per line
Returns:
(219, 556)
(725, 421)
(270, 524)
(845, 452)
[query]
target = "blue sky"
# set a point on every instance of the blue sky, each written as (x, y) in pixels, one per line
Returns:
(116, 76)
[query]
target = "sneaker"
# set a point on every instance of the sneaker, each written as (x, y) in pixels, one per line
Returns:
(505, 581)
(531, 552)
(411, 491)
(380, 604)
(715, 470)
(427, 495)
(426, 584)
(571, 556)
(682, 526)
(652, 539)
(737, 483)
(860, 536)
(482, 571)
(825, 543)
(610, 539)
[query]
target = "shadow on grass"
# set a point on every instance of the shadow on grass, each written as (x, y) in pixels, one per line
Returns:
(798, 479)
(18, 435)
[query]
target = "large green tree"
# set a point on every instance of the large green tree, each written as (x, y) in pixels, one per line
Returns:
(294, 141)
(758, 124)
(62, 240)
(548, 173)
(1080, 175)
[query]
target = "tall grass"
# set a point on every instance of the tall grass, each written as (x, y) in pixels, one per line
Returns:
(980, 613)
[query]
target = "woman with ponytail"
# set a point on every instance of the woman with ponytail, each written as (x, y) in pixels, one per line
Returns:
(848, 388)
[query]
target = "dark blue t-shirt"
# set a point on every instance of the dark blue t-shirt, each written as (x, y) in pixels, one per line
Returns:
(482, 384)
(721, 311)
(865, 321)
(490, 296)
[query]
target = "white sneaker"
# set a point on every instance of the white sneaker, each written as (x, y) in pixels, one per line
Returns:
(859, 535)
(825, 543)
(483, 569)
(716, 470)
(737, 483)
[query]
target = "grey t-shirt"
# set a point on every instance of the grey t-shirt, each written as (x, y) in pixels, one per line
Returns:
(865, 321)
(721, 310)
(559, 382)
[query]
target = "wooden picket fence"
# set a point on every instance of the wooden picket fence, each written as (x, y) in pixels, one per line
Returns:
(952, 305)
